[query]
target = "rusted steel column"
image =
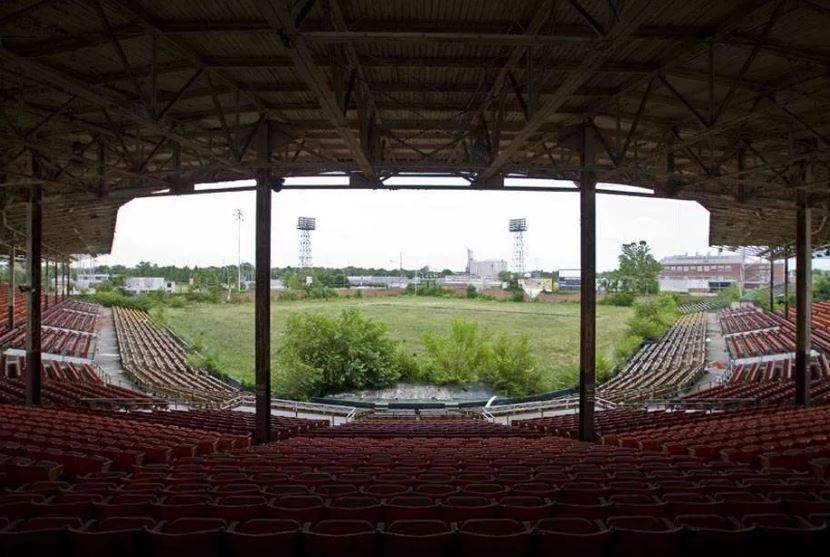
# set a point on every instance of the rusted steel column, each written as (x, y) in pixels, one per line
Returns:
(787, 287)
(771, 283)
(57, 291)
(803, 301)
(12, 286)
(34, 230)
(46, 286)
(588, 295)
(262, 299)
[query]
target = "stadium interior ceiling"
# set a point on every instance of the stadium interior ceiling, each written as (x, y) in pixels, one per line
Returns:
(723, 103)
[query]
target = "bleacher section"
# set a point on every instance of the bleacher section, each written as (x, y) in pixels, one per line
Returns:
(19, 306)
(227, 422)
(820, 324)
(664, 367)
(442, 428)
(156, 361)
(752, 333)
(159, 490)
(68, 329)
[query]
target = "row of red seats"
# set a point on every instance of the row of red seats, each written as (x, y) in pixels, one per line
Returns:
(225, 421)
(622, 536)
(778, 370)
(761, 343)
(743, 320)
(770, 393)
(392, 504)
(72, 437)
(429, 428)
(68, 393)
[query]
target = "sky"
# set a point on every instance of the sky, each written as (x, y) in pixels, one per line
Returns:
(373, 228)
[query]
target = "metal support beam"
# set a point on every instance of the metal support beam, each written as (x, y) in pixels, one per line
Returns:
(12, 287)
(34, 239)
(57, 292)
(46, 286)
(771, 283)
(262, 300)
(786, 287)
(588, 296)
(803, 292)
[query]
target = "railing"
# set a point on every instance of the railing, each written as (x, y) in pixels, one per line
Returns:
(488, 416)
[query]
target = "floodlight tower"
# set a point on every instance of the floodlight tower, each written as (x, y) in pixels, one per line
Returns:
(239, 216)
(305, 225)
(518, 227)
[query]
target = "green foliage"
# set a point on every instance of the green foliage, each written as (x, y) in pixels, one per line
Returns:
(358, 293)
(429, 290)
(317, 291)
(213, 297)
(322, 354)
(112, 298)
(652, 319)
(626, 348)
(821, 288)
(637, 271)
(619, 299)
(467, 355)
(517, 296)
(471, 291)
(733, 294)
(288, 296)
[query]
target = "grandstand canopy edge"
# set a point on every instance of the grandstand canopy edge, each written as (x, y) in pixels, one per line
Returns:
(723, 103)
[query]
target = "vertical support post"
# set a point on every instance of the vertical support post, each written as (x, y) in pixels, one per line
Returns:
(771, 282)
(787, 287)
(34, 229)
(803, 292)
(262, 299)
(12, 286)
(587, 298)
(57, 291)
(46, 285)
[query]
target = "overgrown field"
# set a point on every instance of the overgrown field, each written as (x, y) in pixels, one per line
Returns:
(225, 331)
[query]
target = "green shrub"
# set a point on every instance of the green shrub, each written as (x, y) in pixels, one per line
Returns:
(517, 296)
(511, 368)
(620, 299)
(288, 296)
(459, 357)
(176, 302)
(471, 291)
(322, 354)
(113, 298)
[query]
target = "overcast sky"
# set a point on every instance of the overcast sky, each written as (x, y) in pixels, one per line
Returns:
(371, 228)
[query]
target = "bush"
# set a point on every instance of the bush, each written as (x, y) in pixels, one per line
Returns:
(466, 356)
(322, 354)
(517, 296)
(621, 299)
(471, 291)
(432, 290)
(113, 298)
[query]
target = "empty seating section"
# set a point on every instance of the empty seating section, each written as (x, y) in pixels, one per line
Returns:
(19, 306)
(67, 392)
(68, 330)
(80, 443)
(664, 367)
(778, 370)
(159, 363)
(429, 428)
(223, 421)
(373, 495)
(751, 332)
(767, 438)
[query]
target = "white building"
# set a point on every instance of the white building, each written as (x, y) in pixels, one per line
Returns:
(141, 285)
(489, 268)
(87, 282)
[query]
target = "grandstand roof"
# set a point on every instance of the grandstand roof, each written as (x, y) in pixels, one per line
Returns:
(725, 103)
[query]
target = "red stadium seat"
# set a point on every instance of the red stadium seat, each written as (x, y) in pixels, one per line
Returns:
(570, 536)
(122, 536)
(493, 537)
(262, 536)
(704, 532)
(339, 538)
(192, 536)
(417, 538)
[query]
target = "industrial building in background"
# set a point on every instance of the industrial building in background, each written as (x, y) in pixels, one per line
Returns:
(709, 274)
(487, 268)
(518, 227)
(305, 225)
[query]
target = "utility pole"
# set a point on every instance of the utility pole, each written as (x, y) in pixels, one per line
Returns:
(239, 216)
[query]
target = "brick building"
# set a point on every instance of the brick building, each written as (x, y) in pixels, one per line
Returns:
(707, 274)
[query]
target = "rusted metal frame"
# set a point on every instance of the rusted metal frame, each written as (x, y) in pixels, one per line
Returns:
(753, 54)
(7, 19)
(786, 285)
(222, 120)
(540, 16)
(243, 149)
(591, 62)
(119, 51)
(803, 291)
(349, 90)
(739, 12)
(34, 287)
(586, 16)
(56, 112)
(698, 116)
(771, 283)
(278, 17)
(636, 122)
(262, 298)
(154, 75)
(152, 154)
(12, 287)
(604, 142)
(785, 50)
(517, 90)
(305, 9)
(587, 297)
(103, 184)
(801, 122)
(179, 94)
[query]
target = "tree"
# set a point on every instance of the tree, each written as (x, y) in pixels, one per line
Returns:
(638, 269)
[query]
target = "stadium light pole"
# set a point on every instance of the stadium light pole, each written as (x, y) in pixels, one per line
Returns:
(239, 216)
